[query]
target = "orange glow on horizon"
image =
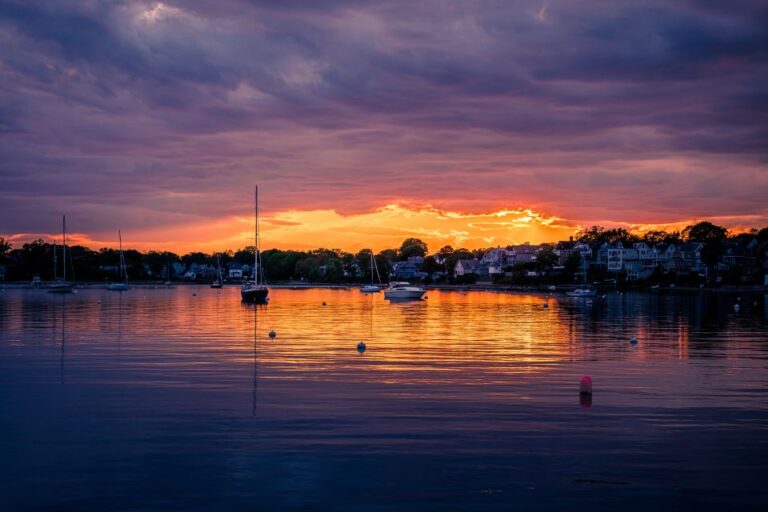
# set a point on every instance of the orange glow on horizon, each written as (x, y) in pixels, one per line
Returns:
(383, 228)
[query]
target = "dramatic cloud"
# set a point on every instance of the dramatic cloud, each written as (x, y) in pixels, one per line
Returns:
(159, 117)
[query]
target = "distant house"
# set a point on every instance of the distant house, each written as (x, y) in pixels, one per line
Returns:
(690, 257)
(235, 270)
(108, 269)
(409, 269)
(525, 253)
(564, 250)
(467, 267)
(496, 260)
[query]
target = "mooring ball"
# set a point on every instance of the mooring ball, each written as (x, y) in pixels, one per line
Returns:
(361, 347)
(585, 385)
(633, 340)
(272, 334)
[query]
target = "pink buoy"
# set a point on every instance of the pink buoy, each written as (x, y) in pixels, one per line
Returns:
(585, 385)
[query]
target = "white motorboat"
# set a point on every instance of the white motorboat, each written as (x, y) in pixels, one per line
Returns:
(370, 288)
(404, 291)
(581, 292)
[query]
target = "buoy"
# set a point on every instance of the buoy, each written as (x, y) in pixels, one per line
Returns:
(546, 306)
(738, 299)
(736, 307)
(361, 347)
(585, 385)
(323, 303)
(272, 334)
(633, 340)
(194, 295)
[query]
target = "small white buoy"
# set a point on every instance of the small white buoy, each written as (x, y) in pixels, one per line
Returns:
(585, 385)
(633, 340)
(361, 347)
(736, 308)
(738, 299)
(272, 334)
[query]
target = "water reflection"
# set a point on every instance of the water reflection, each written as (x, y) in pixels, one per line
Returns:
(466, 398)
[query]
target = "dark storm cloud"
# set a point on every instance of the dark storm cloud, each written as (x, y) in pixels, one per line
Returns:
(129, 104)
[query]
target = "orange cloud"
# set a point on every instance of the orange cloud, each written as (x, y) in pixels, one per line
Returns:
(384, 227)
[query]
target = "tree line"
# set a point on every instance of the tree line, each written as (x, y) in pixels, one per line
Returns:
(332, 265)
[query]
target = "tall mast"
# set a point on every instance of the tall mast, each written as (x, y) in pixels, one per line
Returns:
(122, 263)
(256, 234)
(64, 247)
(55, 266)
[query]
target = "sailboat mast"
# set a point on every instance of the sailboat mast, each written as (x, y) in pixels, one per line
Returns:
(256, 234)
(122, 262)
(64, 247)
(55, 264)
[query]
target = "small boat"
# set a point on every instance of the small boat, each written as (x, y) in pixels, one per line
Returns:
(372, 287)
(255, 292)
(60, 285)
(219, 282)
(123, 286)
(581, 292)
(404, 291)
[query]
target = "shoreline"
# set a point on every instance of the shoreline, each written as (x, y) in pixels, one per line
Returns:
(477, 287)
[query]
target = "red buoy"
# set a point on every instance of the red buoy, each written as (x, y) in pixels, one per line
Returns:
(585, 385)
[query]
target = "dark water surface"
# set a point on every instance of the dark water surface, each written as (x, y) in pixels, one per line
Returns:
(158, 399)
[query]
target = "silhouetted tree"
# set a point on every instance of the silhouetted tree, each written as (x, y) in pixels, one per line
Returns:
(412, 247)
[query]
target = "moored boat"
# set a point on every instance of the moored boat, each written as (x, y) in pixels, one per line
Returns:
(60, 285)
(123, 271)
(219, 282)
(373, 287)
(255, 292)
(581, 292)
(404, 291)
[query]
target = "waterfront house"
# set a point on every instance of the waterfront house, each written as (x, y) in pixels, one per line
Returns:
(467, 267)
(496, 260)
(690, 257)
(409, 269)
(235, 270)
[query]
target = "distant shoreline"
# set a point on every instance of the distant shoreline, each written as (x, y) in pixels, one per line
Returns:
(477, 287)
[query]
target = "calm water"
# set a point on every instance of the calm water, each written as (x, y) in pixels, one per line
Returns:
(160, 399)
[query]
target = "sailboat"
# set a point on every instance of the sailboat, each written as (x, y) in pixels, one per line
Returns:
(219, 282)
(372, 288)
(61, 285)
(120, 287)
(168, 269)
(255, 292)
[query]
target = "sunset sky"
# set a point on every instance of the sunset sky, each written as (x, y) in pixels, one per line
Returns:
(475, 123)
